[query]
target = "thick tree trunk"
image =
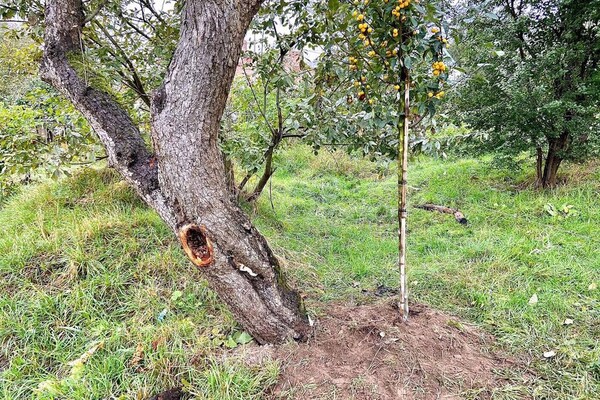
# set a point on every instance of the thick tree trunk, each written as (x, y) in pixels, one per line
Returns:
(185, 179)
(550, 171)
(556, 147)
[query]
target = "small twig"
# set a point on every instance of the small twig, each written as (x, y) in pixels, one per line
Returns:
(90, 162)
(94, 13)
(271, 194)
(262, 112)
(373, 360)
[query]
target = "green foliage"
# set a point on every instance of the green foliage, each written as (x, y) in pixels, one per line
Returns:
(245, 134)
(271, 100)
(40, 133)
(341, 112)
(41, 136)
(369, 49)
(533, 76)
(251, 124)
(128, 45)
(19, 59)
(127, 48)
(393, 40)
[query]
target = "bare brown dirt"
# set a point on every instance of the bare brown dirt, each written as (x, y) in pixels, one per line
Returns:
(367, 352)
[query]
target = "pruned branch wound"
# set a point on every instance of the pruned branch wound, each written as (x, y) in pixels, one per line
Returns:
(197, 245)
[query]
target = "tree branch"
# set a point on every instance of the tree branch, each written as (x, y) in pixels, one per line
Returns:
(458, 216)
(138, 86)
(124, 145)
(149, 6)
(262, 112)
(299, 136)
(94, 13)
(133, 26)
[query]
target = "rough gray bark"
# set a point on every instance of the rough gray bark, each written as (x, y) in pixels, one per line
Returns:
(184, 180)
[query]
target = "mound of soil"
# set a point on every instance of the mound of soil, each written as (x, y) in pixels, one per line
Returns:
(367, 352)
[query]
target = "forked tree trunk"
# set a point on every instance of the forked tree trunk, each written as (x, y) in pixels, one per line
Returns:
(547, 177)
(184, 178)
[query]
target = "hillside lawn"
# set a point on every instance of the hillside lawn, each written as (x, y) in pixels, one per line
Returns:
(89, 274)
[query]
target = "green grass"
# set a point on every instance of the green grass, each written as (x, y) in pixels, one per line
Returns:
(83, 261)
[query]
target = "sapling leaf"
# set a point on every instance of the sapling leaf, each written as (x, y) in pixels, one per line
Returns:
(244, 338)
(176, 295)
(231, 343)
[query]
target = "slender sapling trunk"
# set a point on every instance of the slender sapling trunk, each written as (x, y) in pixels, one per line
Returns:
(402, 182)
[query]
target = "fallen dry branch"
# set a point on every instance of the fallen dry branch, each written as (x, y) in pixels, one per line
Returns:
(459, 216)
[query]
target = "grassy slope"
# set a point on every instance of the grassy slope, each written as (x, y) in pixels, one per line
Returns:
(83, 260)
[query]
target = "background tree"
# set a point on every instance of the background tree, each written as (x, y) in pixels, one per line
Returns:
(536, 86)
(269, 103)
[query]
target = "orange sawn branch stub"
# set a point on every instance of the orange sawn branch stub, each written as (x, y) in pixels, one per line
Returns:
(196, 244)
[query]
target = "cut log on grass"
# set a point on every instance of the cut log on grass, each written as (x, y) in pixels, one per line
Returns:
(460, 218)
